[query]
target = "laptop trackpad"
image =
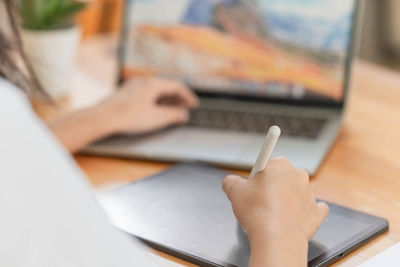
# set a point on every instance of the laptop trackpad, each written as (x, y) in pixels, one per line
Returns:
(209, 144)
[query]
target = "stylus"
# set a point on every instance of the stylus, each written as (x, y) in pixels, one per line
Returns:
(266, 150)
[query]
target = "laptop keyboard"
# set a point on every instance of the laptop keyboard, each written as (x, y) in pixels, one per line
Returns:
(248, 121)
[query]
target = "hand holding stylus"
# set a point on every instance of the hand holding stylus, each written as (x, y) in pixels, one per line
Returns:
(276, 208)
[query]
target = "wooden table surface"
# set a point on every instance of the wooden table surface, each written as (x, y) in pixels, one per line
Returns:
(362, 171)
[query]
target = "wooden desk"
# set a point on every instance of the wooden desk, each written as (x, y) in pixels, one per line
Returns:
(361, 172)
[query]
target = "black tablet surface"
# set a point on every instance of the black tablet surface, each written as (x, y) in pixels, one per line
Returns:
(184, 212)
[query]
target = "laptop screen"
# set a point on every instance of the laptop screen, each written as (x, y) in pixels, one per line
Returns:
(275, 49)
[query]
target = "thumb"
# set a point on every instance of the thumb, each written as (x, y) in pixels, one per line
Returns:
(231, 184)
(323, 211)
(173, 115)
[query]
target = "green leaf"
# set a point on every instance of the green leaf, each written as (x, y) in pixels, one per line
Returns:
(65, 13)
(26, 8)
(47, 9)
(48, 14)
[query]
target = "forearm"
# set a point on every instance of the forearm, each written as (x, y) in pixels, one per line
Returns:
(79, 129)
(276, 250)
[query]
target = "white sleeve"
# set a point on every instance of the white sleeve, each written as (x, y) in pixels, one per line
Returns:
(48, 212)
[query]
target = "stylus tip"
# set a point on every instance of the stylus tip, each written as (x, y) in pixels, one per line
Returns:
(275, 131)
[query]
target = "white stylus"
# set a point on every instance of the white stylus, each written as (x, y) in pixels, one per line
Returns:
(266, 150)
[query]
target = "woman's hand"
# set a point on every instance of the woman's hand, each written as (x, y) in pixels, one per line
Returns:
(138, 106)
(278, 211)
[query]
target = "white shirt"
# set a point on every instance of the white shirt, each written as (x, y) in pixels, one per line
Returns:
(48, 212)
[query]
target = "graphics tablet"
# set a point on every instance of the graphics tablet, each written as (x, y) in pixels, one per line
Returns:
(184, 212)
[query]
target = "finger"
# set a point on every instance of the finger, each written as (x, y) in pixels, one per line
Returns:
(303, 176)
(323, 211)
(317, 220)
(166, 87)
(172, 115)
(277, 168)
(280, 162)
(231, 184)
(134, 82)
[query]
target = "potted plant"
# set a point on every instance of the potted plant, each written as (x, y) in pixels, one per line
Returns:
(51, 39)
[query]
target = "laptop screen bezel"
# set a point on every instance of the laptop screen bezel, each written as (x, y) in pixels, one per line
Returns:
(351, 53)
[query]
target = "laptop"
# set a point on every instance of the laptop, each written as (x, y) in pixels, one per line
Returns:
(253, 64)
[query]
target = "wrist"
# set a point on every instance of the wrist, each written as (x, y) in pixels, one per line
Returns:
(78, 129)
(286, 247)
(265, 235)
(105, 120)
(270, 226)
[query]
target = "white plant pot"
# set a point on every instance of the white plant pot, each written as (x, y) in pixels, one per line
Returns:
(53, 55)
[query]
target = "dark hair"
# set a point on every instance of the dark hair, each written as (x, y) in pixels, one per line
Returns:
(9, 69)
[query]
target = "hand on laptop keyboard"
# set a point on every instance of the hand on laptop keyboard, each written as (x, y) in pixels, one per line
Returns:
(136, 108)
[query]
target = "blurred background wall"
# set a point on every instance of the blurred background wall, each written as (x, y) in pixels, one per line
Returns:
(381, 33)
(380, 37)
